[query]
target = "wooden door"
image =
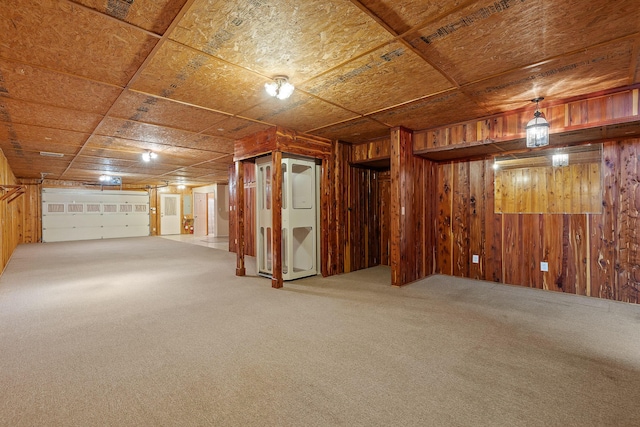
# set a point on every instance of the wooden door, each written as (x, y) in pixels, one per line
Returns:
(200, 214)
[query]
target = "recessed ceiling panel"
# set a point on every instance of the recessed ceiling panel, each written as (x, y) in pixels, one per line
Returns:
(20, 81)
(180, 73)
(66, 37)
(29, 113)
(31, 165)
(585, 72)
(137, 131)
(164, 112)
(106, 146)
(354, 131)
(488, 37)
(386, 77)
(402, 15)
(447, 108)
(210, 143)
(236, 128)
(17, 135)
(300, 111)
(300, 39)
(154, 16)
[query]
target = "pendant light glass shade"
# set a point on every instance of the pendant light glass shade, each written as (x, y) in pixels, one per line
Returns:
(537, 129)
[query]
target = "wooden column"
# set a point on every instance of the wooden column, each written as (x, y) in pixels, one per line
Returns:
(239, 205)
(410, 186)
(325, 190)
(276, 218)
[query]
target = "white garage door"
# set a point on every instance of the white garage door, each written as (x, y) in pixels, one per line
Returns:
(92, 214)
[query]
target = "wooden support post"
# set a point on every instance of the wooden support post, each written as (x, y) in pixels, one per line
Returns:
(325, 190)
(276, 218)
(240, 269)
(407, 210)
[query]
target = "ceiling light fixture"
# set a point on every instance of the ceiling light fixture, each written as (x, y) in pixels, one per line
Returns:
(538, 128)
(110, 180)
(51, 154)
(280, 87)
(148, 155)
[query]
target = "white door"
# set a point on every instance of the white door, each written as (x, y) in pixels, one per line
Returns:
(200, 214)
(211, 214)
(169, 214)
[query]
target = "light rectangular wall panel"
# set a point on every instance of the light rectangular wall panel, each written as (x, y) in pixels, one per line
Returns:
(91, 214)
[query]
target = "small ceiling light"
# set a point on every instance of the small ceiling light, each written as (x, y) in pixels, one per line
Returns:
(181, 187)
(51, 154)
(537, 128)
(148, 155)
(560, 160)
(104, 178)
(280, 87)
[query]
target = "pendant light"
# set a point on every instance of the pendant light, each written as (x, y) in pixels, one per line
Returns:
(538, 128)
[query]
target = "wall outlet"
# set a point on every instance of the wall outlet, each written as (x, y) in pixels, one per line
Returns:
(544, 266)
(475, 259)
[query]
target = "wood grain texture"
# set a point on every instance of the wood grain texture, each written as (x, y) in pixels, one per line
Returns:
(276, 219)
(593, 254)
(569, 120)
(73, 40)
(240, 217)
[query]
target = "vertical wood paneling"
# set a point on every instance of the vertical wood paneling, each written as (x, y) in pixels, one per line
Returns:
(409, 248)
(233, 205)
(628, 223)
(531, 250)
(384, 196)
(460, 225)
(276, 219)
(10, 215)
(444, 207)
(477, 203)
(512, 249)
(493, 230)
(594, 254)
(240, 218)
(579, 253)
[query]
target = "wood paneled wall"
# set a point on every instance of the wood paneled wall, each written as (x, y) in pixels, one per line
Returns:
(587, 254)
(412, 182)
(351, 230)
(249, 208)
(609, 107)
(576, 188)
(10, 214)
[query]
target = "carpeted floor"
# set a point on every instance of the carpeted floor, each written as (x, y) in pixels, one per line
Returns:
(154, 332)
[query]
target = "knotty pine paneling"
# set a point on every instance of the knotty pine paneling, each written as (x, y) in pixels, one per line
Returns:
(384, 198)
(571, 189)
(593, 254)
(9, 215)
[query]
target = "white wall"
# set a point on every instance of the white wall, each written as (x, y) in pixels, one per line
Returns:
(221, 216)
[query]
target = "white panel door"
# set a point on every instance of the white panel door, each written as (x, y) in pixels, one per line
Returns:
(169, 214)
(200, 214)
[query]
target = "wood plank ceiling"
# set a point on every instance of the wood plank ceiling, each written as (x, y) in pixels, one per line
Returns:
(102, 81)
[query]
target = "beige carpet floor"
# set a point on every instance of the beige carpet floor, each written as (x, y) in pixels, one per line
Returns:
(153, 332)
